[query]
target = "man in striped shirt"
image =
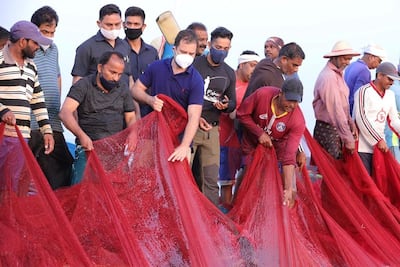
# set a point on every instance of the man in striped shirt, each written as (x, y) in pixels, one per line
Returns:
(20, 91)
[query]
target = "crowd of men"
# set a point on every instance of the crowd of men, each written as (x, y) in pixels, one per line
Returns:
(230, 111)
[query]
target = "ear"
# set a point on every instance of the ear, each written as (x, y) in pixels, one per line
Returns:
(144, 26)
(99, 66)
(98, 23)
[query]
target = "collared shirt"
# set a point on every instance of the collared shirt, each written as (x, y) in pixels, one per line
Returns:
(101, 114)
(331, 103)
(371, 109)
(140, 61)
(49, 71)
(21, 93)
(257, 116)
(186, 88)
(356, 75)
(89, 52)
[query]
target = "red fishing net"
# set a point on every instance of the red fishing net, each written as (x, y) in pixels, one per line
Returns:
(134, 208)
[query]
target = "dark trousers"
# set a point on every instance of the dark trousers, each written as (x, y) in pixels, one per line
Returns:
(57, 166)
(366, 159)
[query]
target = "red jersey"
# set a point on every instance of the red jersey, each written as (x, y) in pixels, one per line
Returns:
(255, 114)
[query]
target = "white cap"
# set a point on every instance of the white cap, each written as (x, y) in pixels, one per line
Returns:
(375, 50)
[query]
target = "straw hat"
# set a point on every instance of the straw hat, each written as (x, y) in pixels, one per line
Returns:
(342, 48)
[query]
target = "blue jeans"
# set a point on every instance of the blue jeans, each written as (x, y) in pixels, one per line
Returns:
(79, 164)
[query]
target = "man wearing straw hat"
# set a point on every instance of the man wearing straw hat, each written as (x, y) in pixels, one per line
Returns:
(334, 127)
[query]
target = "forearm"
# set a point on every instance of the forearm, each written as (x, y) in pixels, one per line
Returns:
(288, 176)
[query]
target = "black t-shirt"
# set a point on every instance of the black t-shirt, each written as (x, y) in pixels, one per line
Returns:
(101, 114)
(218, 81)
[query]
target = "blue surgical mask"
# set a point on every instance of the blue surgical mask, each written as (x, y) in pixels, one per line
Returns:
(218, 56)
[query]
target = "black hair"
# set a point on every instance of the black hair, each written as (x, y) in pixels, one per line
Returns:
(43, 15)
(197, 26)
(292, 50)
(188, 36)
(4, 33)
(109, 10)
(105, 57)
(248, 52)
(135, 11)
(221, 32)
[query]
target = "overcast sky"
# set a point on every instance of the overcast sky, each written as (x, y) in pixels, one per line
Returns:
(314, 25)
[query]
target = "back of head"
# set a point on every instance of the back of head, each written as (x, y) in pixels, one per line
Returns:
(109, 10)
(135, 11)
(4, 33)
(221, 32)
(186, 36)
(44, 15)
(197, 26)
(292, 50)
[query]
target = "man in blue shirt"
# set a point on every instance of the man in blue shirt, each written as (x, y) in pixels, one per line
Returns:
(358, 73)
(57, 166)
(178, 79)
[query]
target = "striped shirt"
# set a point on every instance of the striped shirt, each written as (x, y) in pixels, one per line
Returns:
(49, 72)
(20, 93)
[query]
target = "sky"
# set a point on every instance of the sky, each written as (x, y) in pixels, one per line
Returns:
(315, 25)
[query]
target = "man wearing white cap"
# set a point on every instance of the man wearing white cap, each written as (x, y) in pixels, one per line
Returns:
(20, 92)
(230, 157)
(358, 73)
(373, 104)
(334, 127)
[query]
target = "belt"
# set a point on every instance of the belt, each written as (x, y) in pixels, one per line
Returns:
(215, 123)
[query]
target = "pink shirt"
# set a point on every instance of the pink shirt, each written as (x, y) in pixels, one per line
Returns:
(331, 101)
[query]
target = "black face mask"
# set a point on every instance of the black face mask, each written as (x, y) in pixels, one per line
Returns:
(108, 85)
(133, 34)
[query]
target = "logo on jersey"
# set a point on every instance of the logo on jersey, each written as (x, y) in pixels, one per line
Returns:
(381, 116)
(280, 126)
(263, 116)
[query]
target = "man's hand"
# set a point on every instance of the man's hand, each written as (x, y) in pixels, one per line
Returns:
(288, 198)
(223, 104)
(157, 104)
(9, 118)
(204, 125)
(180, 153)
(301, 159)
(382, 146)
(48, 143)
(86, 142)
(265, 140)
(132, 139)
(350, 147)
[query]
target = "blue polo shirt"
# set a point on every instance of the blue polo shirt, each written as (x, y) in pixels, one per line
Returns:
(89, 52)
(140, 61)
(185, 88)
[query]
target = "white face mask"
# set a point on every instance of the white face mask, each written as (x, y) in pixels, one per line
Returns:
(184, 60)
(110, 34)
(45, 47)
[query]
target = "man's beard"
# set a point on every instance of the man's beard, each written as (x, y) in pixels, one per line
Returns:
(27, 53)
